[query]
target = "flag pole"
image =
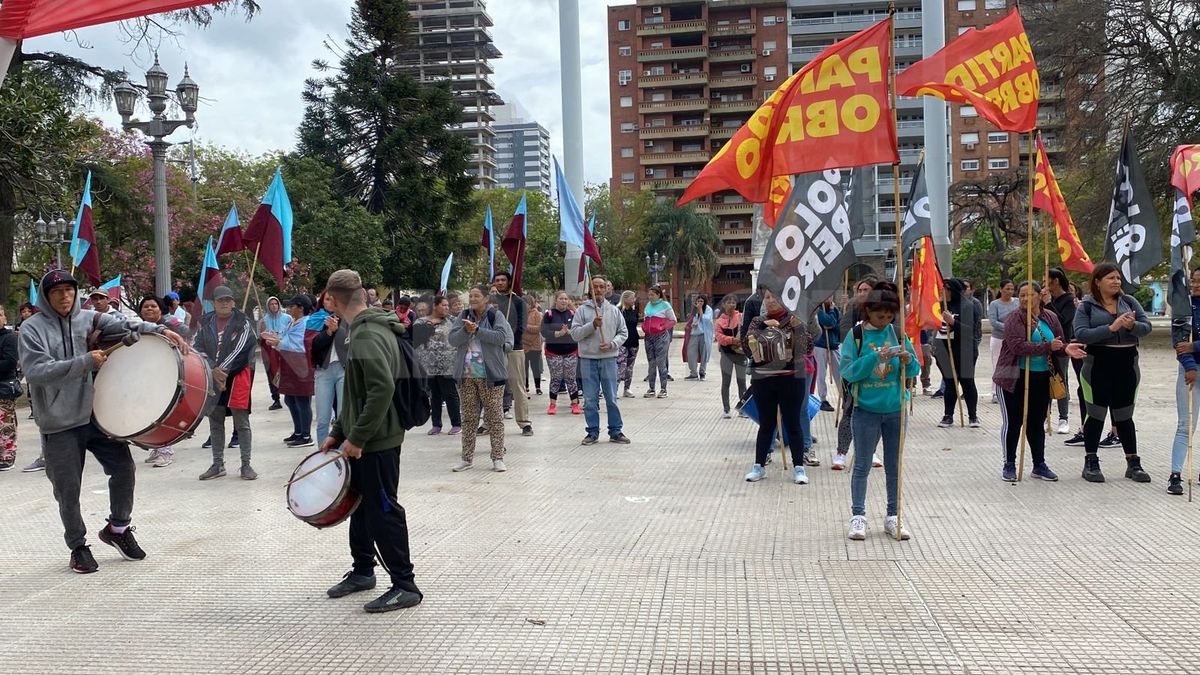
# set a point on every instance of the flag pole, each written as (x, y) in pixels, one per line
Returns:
(901, 335)
(250, 280)
(1028, 307)
(1046, 284)
(257, 297)
(1191, 429)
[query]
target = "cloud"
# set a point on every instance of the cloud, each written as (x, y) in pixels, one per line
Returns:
(251, 73)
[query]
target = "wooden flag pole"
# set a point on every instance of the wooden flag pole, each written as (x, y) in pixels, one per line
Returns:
(1028, 308)
(257, 297)
(250, 280)
(1188, 463)
(901, 336)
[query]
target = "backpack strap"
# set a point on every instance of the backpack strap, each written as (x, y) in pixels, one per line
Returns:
(93, 338)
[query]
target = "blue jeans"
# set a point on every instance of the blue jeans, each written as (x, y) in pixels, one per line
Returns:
(868, 427)
(600, 375)
(328, 383)
(1179, 447)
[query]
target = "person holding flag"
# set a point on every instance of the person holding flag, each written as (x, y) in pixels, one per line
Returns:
(84, 253)
(600, 329)
(225, 337)
(512, 306)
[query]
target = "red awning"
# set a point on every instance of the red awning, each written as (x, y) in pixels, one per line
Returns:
(20, 19)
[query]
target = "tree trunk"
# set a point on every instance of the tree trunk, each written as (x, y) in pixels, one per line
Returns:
(8, 209)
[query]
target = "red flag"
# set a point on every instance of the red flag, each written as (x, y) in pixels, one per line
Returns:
(992, 69)
(1048, 198)
(590, 250)
(833, 113)
(925, 301)
(30, 18)
(1185, 170)
(514, 243)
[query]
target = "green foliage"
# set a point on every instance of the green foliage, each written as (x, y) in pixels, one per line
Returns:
(688, 239)
(387, 138)
(543, 255)
(622, 231)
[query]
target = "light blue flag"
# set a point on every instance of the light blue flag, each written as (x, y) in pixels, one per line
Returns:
(210, 262)
(111, 284)
(33, 296)
(446, 273)
(79, 247)
(570, 216)
(491, 239)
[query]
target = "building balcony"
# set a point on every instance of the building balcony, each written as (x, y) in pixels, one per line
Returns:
(678, 105)
(667, 183)
(902, 48)
(677, 80)
(726, 30)
(723, 133)
(805, 53)
(723, 286)
(735, 232)
(672, 27)
(735, 259)
(886, 185)
(732, 208)
(1051, 92)
(910, 156)
(732, 55)
(674, 158)
(680, 131)
(674, 54)
(824, 25)
(910, 129)
(748, 106)
(731, 81)
(1052, 146)
(1051, 120)
(702, 208)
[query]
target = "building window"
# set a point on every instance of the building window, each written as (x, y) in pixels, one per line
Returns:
(627, 177)
(627, 127)
(997, 163)
(964, 6)
(626, 101)
(995, 4)
(625, 51)
(769, 20)
(769, 44)
(969, 165)
(967, 111)
(963, 29)
(627, 152)
(624, 77)
(969, 139)
(623, 24)
(997, 137)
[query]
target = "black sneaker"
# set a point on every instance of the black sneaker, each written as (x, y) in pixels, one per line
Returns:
(1110, 441)
(1134, 471)
(291, 439)
(301, 442)
(6, 464)
(82, 561)
(207, 443)
(590, 440)
(395, 598)
(527, 430)
(233, 440)
(619, 438)
(124, 542)
(1076, 440)
(947, 421)
(276, 405)
(1091, 468)
(351, 583)
(1175, 484)
(481, 431)
(826, 406)
(938, 394)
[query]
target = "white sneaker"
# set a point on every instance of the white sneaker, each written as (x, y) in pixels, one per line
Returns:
(889, 526)
(461, 466)
(508, 414)
(725, 415)
(930, 391)
(858, 528)
(876, 461)
(162, 460)
(839, 462)
(799, 475)
(498, 466)
(1063, 427)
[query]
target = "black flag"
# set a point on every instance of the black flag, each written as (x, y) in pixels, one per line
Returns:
(1134, 241)
(1183, 235)
(812, 245)
(917, 222)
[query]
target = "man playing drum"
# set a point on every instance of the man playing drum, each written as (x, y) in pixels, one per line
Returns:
(369, 431)
(56, 360)
(226, 338)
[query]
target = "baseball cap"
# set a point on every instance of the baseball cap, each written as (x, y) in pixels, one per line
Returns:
(302, 301)
(98, 293)
(222, 292)
(173, 295)
(57, 278)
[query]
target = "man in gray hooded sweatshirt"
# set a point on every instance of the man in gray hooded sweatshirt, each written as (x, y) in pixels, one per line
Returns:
(59, 367)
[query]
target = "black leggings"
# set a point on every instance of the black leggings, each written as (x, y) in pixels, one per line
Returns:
(779, 398)
(442, 389)
(1035, 427)
(1110, 378)
(970, 396)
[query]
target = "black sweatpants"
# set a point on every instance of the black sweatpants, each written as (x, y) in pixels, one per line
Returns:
(378, 525)
(1035, 428)
(442, 389)
(64, 453)
(778, 398)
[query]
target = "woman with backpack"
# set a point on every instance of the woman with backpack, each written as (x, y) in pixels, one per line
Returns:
(875, 364)
(562, 354)
(777, 343)
(482, 338)
(1110, 323)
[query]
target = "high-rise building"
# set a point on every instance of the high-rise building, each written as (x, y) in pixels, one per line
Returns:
(452, 41)
(522, 150)
(816, 24)
(684, 76)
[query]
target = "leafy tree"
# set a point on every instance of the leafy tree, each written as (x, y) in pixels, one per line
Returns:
(688, 239)
(622, 230)
(387, 137)
(543, 253)
(995, 208)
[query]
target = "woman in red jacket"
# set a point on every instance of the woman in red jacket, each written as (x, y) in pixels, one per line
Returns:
(730, 345)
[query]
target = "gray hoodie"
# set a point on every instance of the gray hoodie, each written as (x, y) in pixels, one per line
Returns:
(56, 362)
(584, 332)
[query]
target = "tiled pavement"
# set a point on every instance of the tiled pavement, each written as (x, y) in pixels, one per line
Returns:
(650, 558)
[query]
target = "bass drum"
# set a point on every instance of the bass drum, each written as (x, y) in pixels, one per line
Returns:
(325, 497)
(151, 394)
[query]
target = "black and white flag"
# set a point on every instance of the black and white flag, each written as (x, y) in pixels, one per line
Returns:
(1183, 235)
(812, 244)
(1134, 241)
(917, 222)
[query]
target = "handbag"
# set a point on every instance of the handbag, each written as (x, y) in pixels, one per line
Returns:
(11, 389)
(1058, 388)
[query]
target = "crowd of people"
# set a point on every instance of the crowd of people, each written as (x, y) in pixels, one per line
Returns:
(487, 352)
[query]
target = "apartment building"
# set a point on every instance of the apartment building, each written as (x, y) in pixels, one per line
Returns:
(451, 41)
(684, 76)
(522, 151)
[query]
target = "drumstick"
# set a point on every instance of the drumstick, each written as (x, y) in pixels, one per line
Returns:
(315, 469)
(128, 341)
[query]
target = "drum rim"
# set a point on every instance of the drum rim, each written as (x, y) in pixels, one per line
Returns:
(346, 487)
(179, 381)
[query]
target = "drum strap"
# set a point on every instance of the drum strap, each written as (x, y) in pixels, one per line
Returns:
(93, 338)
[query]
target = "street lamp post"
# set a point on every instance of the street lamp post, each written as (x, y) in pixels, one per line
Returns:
(158, 128)
(655, 263)
(56, 233)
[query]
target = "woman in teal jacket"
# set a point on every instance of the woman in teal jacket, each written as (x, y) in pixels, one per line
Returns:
(872, 362)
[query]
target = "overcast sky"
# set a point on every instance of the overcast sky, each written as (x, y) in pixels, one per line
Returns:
(251, 74)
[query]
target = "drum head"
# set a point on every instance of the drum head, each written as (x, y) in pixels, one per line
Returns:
(136, 387)
(314, 494)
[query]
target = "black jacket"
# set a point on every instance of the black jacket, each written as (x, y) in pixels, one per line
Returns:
(8, 354)
(236, 351)
(1064, 308)
(515, 315)
(323, 344)
(631, 322)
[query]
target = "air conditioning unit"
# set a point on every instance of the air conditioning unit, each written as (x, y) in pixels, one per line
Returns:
(650, 173)
(656, 10)
(969, 146)
(713, 44)
(769, 78)
(745, 68)
(645, 73)
(648, 144)
(768, 52)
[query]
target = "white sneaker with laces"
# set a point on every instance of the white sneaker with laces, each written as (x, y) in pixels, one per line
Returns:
(498, 466)
(858, 528)
(725, 415)
(1063, 427)
(508, 414)
(876, 461)
(461, 466)
(839, 462)
(889, 526)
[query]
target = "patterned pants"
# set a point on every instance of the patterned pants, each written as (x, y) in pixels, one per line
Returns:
(473, 394)
(657, 347)
(625, 360)
(563, 375)
(8, 430)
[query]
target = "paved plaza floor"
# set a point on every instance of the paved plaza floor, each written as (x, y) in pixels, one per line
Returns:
(656, 557)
